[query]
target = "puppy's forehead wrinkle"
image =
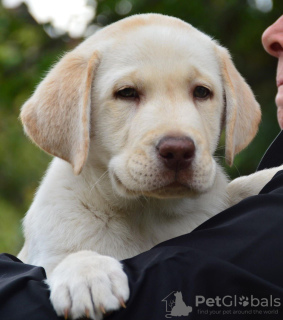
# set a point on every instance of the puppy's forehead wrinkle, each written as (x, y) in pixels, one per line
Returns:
(132, 32)
(167, 45)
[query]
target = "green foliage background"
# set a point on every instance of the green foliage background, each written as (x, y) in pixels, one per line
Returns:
(27, 52)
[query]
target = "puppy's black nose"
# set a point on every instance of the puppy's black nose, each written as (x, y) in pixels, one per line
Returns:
(176, 152)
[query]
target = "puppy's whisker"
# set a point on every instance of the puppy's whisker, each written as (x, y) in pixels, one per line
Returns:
(142, 196)
(220, 148)
(99, 180)
(219, 157)
(239, 173)
(233, 166)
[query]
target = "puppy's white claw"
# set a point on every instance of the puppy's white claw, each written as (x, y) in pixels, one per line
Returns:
(122, 303)
(87, 313)
(66, 313)
(102, 309)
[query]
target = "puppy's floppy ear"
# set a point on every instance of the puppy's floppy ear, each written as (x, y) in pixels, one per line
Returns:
(242, 110)
(57, 116)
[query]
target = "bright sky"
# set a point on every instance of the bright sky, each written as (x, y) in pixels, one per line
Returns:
(73, 16)
(262, 5)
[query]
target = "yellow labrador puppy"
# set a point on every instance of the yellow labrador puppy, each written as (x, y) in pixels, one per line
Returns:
(133, 116)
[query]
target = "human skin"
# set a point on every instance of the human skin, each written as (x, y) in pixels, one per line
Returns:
(272, 40)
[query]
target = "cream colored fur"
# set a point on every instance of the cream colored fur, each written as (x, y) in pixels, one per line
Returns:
(106, 194)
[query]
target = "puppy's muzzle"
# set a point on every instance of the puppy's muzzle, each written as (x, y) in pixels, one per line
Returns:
(176, 153)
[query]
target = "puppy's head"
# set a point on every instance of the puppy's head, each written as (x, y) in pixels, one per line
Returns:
(144, 98)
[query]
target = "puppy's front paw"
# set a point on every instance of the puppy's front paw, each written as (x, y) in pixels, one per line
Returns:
(88, 284)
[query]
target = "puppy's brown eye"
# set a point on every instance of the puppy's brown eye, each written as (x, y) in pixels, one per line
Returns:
(128, 93)
(201, 92)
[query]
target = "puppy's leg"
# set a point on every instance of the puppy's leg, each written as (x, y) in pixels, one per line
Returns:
(88, 284)
(247, 186)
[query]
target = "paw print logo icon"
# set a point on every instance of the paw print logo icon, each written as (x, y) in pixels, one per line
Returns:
(244, 301)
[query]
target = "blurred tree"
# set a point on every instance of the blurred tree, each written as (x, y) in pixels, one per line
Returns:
(27, 52)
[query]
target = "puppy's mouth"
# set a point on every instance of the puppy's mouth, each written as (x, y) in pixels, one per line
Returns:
(172, 189)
